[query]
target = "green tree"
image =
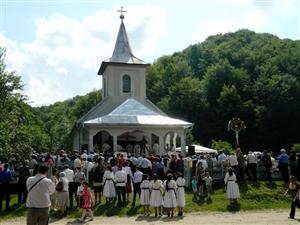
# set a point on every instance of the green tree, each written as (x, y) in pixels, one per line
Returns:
(222, 146)
(21, 129)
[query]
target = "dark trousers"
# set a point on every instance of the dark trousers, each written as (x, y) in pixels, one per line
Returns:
(72, 191)
(268, 173)
(136, 190)
(22, 193)
(284, 169)
(236, 171)
(146, 171)
(4, 192)
(241, 173)
(293, 207)
(247, 171)
(37, 216)
(121, 195)
(294, 171)
(252, 167)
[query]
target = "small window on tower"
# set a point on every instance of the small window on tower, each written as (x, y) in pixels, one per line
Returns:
(126, 84)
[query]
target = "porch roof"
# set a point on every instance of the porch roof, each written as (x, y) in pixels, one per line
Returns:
(134, 113)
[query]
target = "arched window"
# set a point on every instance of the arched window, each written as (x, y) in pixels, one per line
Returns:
(126, 83)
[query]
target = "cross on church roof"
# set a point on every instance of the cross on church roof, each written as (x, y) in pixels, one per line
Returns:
(122, 11)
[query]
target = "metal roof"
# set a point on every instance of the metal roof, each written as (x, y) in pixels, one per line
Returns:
(122, 52)
(132, 113)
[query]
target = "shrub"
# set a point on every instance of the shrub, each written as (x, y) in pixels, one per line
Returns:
(222, 146)
(296, 147)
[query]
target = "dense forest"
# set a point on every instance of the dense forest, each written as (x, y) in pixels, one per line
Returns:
(253, 76)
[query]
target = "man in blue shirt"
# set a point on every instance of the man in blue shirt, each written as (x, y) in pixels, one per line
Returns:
(5, 178)
(283, 165)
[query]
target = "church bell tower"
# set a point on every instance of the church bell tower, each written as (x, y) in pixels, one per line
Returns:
(123, 75)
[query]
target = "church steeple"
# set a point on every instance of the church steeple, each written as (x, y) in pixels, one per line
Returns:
(122, 51)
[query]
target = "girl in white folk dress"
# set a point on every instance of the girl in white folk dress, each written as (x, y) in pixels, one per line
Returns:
(232, 188)
(180, 182)
(109, 191)
(170, 201)
(156, 198)
(145, 194)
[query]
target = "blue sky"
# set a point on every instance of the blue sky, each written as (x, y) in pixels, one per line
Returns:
(57, 46)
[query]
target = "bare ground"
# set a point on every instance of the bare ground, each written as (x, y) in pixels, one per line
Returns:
(268, 217)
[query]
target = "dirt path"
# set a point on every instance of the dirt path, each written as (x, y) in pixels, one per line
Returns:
(269, 217)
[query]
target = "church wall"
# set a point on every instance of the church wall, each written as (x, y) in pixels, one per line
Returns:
(114, 78)
(76, 141)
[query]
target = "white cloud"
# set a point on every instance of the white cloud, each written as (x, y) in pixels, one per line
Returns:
(63, 59)
(256, 19)
(212, 28)
(252, 17)
(62, 71)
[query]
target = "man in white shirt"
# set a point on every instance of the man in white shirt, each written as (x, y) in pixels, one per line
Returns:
(134, 161)
(222, 157)
(146, 165)
(121, 179)
(137, 180)
(38, 202)
(222, 161)
(252, 164)
(232, 161)
(72, 186)
(77, 163)
(84, 155)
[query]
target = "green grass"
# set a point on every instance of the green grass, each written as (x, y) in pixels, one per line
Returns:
(254, 196)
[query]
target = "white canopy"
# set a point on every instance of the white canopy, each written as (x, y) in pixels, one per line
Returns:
(199, 149)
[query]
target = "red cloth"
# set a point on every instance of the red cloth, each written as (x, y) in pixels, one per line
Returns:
(152, 159)
(87, 198)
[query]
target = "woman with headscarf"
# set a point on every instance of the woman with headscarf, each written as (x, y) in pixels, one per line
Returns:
(62, 193)
(232, 188)
(109, 191)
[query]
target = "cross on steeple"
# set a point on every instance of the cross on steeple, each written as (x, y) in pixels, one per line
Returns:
(122, 11)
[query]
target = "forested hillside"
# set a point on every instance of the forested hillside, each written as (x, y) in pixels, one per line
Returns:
(59, 118)
(21, 128)
(253, 76)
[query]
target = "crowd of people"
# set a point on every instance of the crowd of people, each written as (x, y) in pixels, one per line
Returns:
(85, 180)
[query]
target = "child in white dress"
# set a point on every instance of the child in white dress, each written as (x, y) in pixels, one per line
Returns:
(180, 182)
(156, 198)
(232, 190)
(145, 194)
(170, 201)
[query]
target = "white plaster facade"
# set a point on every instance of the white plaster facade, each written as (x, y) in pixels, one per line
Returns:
(109, 116)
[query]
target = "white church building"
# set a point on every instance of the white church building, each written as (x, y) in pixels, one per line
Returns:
(126, 117)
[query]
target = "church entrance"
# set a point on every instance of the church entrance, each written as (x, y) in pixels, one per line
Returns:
(170, 141)
(102, 142)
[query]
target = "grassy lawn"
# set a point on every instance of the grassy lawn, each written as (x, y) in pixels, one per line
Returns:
(254, 196)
